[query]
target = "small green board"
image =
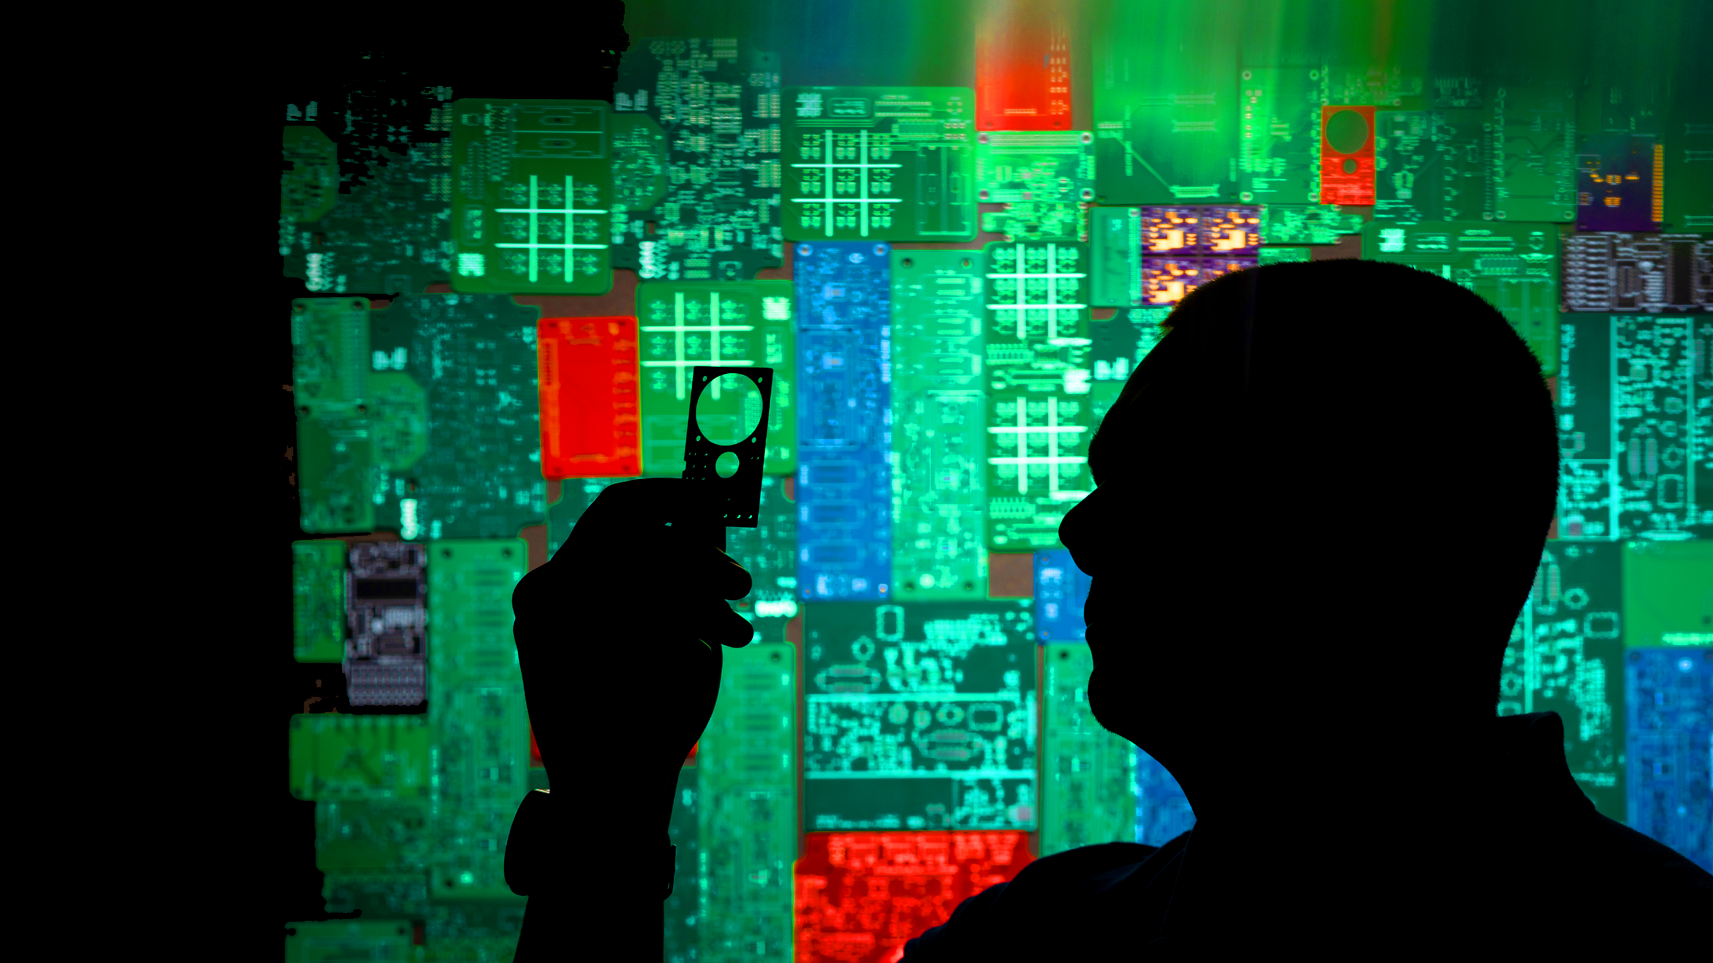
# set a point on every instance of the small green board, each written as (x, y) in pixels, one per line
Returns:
(683, 324)
(329, 350)
(1115, 272)
(939, 437)
(308, 190)
(381, 836)
(1045, 179)
(1088, 775)
(454, 417)
(354, 757)
(1278, 160)
(1284, 255)
(532, 190)
(335, 941)
(1513, 266)
(879, 163)
(1306, 223)
(1668, 593)
(318, 600)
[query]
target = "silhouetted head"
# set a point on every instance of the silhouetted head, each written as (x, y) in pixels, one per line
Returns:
(1324, 493)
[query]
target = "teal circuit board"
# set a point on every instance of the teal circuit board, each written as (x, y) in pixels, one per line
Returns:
(1088, 775)
(455, 417)
(533, 182)
(1045, 179)
(318, 600)
(879, 163)
(334, 454)
(939, 422)
(919, 716)
(696, 166)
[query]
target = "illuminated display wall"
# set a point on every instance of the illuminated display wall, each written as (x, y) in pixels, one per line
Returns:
(952, 229)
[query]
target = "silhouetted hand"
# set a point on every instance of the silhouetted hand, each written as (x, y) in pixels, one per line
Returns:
(620, 640)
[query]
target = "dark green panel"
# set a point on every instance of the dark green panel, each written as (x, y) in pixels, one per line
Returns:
(1088, 777)
(1587, 503)
(309, 188)
(533, 183)
(334, 455)
(341, 941)
(879, 163)
(376, 836)
(1663, 476)
(1045, 179)
(343, 756)
(318, 600)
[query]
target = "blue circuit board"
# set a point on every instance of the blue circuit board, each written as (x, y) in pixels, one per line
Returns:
(1060, 591)
(1162, 810)
(1668, 693)
(844, 427)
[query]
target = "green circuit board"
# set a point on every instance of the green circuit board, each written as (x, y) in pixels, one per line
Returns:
(330, 394)
(939, 437)
(1513, 266)
(344, 757)
(1039, 413)
(1307, 223)
(318, 600)
(683, 324)
(1088, 775)
(533, 183)
(1284, 255)
(455, 418)
(1668, 593)
(1115, 266)
(696, 167)
(330, 941)
(1278, 160)
(1045, 179)
(309, 189)
(881, 163)
(1118, 346)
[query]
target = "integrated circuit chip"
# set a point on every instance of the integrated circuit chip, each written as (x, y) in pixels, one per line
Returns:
(386, 614)
(1646, 273)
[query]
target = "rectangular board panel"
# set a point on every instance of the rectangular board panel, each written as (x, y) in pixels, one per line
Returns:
(533, 188)
(318, 600)
(1662, 425)
(1347, 155)
(1307, 223)
(1061, 589)
(939, 437)
(1278, 135)
(1167, 280)
(1669, 698)
(1210, 231)
(1587, 497)
(1533, 131)
(331, 940)
(844, 420)
(386, 615)
(1115, 271)
(1044, 179)
(1119, 345)
(1668, 593)
(477, 715)
(879, 163)
(1513, 266)
(1620, 182)
(375, 836)
(1023, 67)
(347, 757)
(455, 417)
(590, 396)
(1163, 812)
(1088, 775)
(747, 806)
(1644, 273)
(1565, 655)
(696, 160)
(862, 896)
(920, 716)
(1038, 411)
(330, 388)
(688, 323)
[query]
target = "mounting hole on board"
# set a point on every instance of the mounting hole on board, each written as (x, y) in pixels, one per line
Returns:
(729, 410)
(726, 465)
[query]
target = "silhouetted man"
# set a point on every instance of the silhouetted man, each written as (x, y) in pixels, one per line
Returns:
(1321, 502)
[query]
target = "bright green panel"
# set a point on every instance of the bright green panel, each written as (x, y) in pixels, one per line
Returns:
(1513, 266)
(340, 941)
(354, 757)
(1165, 112)
(318, 600)
(329, 363)
(1045, 179)
(879, 163)
(308, 190)
(939, 437)
(688, 323)
(533, 182)
(1279, 135)
(1668, 593)
(477, 712)
(747, 807)
(1115, 269)
(1306, 223)
(1088, 775)
(453, 392)
(1039, 415)
(696, 160)
(1284, 255)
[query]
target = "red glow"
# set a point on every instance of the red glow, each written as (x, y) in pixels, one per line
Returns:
(1336, 185)
(589, 371)
(1023, 67)
(534, 751)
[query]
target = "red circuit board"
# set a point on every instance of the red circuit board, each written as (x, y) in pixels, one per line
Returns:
(591, 401)
(1023, 67)
(862, 896)
(1347, 155)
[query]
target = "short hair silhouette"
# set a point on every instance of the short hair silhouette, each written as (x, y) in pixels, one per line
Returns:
(1387, 424)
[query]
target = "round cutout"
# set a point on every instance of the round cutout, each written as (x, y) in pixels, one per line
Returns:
(1349, 165)
(729, 409)
(1346, 131)
(726, 465)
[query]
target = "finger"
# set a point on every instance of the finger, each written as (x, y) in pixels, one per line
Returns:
(679, 558)
(715, 623)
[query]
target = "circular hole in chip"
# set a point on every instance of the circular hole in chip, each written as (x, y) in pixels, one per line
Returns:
(726, 465)
(729, 409)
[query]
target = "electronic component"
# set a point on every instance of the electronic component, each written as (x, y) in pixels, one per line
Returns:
(1669, 700)
(454, 415)
(1660, 440)
(334, 453)
(1646, 273)
(1620, 182)
(591, 405)
(874, 892)
(1115, 272)
(879, 163)
(347, 757)
(1307, 223)
(844, 430)
(318, 600)
(1045, 180)
(385, 659)
(309, 188)
(1200, 231)
(533, 180)
(1668, 593)
(696, 173)
(1023, 67)
(1514, 267)
(1088, 778)
(1347, 155)
(688, 323)
(1060, 591)
(939, 437)
(919, 716)
(1166, 280)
